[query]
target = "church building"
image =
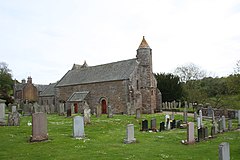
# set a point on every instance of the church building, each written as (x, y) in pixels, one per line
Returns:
(124, 85)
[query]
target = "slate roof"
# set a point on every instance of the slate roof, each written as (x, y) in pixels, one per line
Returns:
(20, 86)
(107, 72)
(49, 90)
(40, 87)
(78, 96)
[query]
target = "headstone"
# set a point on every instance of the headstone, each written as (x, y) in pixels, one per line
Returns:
(162, 127)
(213, 131)
(69, 112)
(229, 124)
(168, 126)
(190, 133)
(78, 127)
(224, 151)
(145, 125)
(2, 112)
(224, 124)
(14, 119)
(195, 116)
(87, 115)
(138, 113)
(220, 129)
(185, 115)
(205, 133)
(39, 127)
(72, 109)
(209, 111)
(198, 122)
(153, 124)
(99, 111)
(190, 105)
(130, 134)
(213, 117)
(26, 110)
(172, 116)
(166, 118)
(200, 134)
(179, 104)
(110, 113)
(200, 115)
(61, 109)
(14, 109)
(47, 108)
(52, 108)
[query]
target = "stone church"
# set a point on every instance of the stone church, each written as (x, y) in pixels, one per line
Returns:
(124, 85)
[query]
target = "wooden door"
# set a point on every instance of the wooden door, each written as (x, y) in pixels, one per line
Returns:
(104, 106)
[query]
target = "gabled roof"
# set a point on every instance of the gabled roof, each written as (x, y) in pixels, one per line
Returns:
(20, 86)
(107, 72)
(49, 90)
(78, 96)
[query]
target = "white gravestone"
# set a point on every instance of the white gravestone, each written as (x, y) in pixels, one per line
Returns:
(224, 123)
(198, 122)
(87, 115)
(78, 127)
(224, 151)
(190, 133)
(200, 115)
(130, 134)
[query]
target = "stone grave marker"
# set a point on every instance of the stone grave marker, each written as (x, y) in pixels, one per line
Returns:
(213, 131)
(2, 112)
(78, 127)
(220, 129)
(185, 115)
(162, 127)
(153, 125)
(14, 109)
(99, 111)
(205, 133)
(72, 109)
(198, 122)
(213, 117)
(61, 109)
(224, 124)
(130, 134)
(110, 113)
(144, 125)
(39, 127)
(224, 151)
(200, 134)
(195, 116)
(26, 110)
(209, 111)
(52, 108)
(190, 133)
(47, 109)
(87, 115)
(229, 124)
(200, 115)
(138, 113)
(14, 119)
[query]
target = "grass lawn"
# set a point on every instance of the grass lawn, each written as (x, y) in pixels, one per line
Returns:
(104, 140)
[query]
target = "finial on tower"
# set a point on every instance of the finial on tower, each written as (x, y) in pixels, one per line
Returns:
(143, 44)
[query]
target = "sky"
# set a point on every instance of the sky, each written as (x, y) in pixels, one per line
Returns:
(43, 39)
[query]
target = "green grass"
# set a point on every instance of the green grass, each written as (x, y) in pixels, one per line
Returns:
(104, 140)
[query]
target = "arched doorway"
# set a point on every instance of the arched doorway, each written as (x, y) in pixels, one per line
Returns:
(104, 106)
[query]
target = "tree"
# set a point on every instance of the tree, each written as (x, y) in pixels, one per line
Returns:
(189, 72)
(170, 87)
(6, 82)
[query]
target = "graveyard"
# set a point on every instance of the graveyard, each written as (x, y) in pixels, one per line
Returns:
(105, 137)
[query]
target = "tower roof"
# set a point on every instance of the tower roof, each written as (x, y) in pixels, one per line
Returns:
(143, 44)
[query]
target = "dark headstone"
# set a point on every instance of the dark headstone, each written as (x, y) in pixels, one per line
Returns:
(153, 124)
(145, 125)
(162, 126)
(200, 134)
(69, 112)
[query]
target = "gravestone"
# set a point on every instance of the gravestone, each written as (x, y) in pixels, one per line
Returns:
(195, 116)
(205, 133)
(78, 127)
(130, 134)
(224, 124)
(209, 111)
(190, 133)
(2, 112)
(61, 109)
(220, 129)
(26, 110)
(162, 128)
(39, 127)
(185, 115)
(213, 131)
(69, 112)
(52, 108)
(224, 151)
(144, 125)
(198, 122)
(138, 113)
(167, 117)
(14, 109)
(172, 116)
(47, 108)
(229, 124)
(14, 119)
(99, 111)
(213, 117)
(72, 109)
(153, 124)
(200, 134)
(200, 115)
(110, 113)
(87, 115)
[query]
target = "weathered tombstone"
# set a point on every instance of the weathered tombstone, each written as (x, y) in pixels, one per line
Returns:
(209, 111)
(13, 119)
(195, 116)
(99, 111)
(190, 133)
(110, 113)
(200, 134)
(172, 116)
(200, 115)
(213, 131)
(162, 128)
(224, 124)
(72, 109)
(14, 109)
(179, 104)
(2, 112)
(130, 134)
(229, 124)
(87, 115)
(153, 124)
(52, 108)
(61, 109)
(39, 127)
(168, 126)
(205, 133)
(144, 125)
(185, 115)
(27, 109)
(198, 122)
(78, 127)
(47, 109)
(224, 151)
(138, 113)
(190, 105)
(220, 129)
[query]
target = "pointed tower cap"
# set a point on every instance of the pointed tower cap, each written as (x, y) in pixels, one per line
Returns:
(143, 44)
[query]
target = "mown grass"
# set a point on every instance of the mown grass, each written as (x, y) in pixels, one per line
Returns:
(104, 140)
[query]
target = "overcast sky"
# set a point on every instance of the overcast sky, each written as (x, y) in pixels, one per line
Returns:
(44, 38)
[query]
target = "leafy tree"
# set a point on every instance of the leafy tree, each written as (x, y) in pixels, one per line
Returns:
(189, 72)
(170, 87)
(6, 82)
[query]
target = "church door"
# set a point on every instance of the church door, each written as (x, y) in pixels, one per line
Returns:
(104, 106)
(75, 107)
